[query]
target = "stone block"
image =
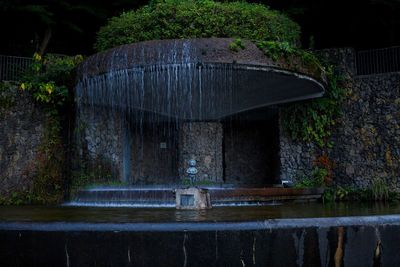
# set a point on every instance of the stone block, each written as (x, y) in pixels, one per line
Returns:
(192, 199)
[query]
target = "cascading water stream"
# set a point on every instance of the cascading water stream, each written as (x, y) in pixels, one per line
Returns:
(146, 102)
(135, 103)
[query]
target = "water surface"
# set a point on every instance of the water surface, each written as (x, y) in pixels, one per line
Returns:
(217, 214)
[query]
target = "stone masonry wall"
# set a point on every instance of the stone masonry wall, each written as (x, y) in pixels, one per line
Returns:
(251, 152)
(366, 138)
(202, 141)
(296, 158)
(22, 127)
(113, 147)
(99, 134)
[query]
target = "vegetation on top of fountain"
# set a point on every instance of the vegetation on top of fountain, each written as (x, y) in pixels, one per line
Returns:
(287, 56)
(179, 19)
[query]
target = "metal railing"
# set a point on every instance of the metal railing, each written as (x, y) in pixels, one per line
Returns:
(11, 67)
(378, 61)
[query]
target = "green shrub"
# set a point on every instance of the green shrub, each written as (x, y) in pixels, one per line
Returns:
(49, 79)
(178, 19)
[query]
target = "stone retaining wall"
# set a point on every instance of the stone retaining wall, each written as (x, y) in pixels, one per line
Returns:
(22, 128)
(99, 145)
(366, 139)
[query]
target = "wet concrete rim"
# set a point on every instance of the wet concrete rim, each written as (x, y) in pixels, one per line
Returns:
(195, 50)
(271, 224)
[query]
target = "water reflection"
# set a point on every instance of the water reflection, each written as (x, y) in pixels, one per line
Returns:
(191, 215)
(132, 215)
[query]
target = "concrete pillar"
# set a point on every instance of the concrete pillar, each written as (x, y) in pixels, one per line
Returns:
(202, 141)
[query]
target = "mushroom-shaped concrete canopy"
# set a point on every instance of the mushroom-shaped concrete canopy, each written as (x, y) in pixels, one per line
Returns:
(197, 79)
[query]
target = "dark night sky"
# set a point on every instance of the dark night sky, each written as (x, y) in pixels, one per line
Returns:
(363, 24)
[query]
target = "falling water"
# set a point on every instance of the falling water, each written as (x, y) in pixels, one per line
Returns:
(147, 104)
(186, 91)
(132, 102)
(126, 154)
(125, 197)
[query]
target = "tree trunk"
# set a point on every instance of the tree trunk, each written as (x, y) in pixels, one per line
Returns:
(45, 41)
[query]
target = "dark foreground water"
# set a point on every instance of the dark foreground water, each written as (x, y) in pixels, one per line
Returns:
(297, 235)
(219, 214)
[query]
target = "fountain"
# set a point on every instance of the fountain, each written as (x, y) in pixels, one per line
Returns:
(153, 113)
(145, 110)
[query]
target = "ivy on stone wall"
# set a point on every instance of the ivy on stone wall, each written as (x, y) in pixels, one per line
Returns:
(312, 121)
(309, 121)
(48, 183)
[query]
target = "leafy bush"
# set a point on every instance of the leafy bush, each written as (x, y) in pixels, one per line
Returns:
(49, 78)
(178, 19)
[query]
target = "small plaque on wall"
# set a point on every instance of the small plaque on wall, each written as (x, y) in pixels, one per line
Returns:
(187, 200)
(163, 145)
